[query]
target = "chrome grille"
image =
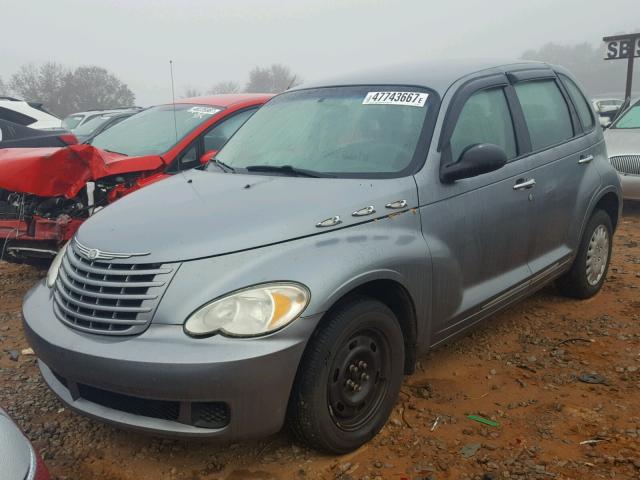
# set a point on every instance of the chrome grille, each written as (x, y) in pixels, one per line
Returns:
(627, 164)
(108, 297)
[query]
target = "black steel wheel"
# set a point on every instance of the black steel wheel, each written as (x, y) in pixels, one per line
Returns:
(349, 377)
(360, 379)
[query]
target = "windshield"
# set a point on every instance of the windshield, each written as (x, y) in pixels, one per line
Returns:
(72, 121)
(153, 131)
(346, 131)
(630, 119)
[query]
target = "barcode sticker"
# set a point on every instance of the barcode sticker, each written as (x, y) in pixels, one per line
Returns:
(412, 99)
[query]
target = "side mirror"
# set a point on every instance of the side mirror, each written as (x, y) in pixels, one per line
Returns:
(475, 160)
(207, 156)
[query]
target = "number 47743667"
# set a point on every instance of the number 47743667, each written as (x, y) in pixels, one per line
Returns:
(414, 99)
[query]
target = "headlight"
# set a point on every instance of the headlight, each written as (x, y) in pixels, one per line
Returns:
(250, 312)
(52, 274)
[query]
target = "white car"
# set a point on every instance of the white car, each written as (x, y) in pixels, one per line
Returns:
(607, 109)
(74, 120)
(623, 146)
(28, 114)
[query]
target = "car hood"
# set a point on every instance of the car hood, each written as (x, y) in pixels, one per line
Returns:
(200, 214)
(52, 172)
(622, 141)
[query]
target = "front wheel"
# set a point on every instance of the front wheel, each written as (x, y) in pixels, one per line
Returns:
(590, 266)
(349, 377)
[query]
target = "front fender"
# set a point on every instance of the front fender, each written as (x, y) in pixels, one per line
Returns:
(330, 265)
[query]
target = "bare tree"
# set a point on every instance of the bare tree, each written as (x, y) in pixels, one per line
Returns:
(4, 90)
(225, 87)
(64, 91)
(274, 79)
(95, 88)
(192, 92)
(41, 84)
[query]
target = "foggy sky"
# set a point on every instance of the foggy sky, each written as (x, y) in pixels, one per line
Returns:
(217, 40)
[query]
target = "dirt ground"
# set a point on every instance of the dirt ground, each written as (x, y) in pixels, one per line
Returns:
(521, 369)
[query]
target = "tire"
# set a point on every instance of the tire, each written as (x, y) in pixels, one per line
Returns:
(360, 342)
(583, 281)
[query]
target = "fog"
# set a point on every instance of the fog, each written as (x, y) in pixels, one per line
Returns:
(213, 41)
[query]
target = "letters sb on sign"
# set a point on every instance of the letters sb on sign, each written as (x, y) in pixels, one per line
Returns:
(618, 49)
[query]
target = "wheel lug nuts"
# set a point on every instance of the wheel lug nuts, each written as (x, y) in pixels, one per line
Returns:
(353, 368)
(364, 377)
(362, 365)
(358, 388)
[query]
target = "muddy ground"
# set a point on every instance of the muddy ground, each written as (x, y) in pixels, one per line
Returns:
(520, 369)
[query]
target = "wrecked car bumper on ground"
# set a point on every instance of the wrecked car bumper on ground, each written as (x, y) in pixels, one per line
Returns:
(165, 382)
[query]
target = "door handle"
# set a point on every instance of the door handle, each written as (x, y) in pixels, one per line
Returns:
(397, 204)
(524, 184)
(585, 159)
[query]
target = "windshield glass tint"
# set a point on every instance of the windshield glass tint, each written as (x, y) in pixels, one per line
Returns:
(338, 130)
(152, 131)
(631, 119)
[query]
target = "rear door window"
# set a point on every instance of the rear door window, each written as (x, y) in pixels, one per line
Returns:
(485, 118)
(545, 111)
(581, 104)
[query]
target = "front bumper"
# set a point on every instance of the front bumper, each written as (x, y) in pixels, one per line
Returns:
(630, 186)
(164, 369)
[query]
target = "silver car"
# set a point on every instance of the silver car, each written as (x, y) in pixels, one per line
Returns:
(623, 145)
(346, 228)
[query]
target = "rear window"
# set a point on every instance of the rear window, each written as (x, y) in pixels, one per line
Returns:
(584, 111)
(545, 112)
(88, 127)
(16, 117)
(72, 121)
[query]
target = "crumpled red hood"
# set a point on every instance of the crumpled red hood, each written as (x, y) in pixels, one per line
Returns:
(52, 172)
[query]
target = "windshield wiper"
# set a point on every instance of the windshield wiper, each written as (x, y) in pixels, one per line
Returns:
(288, 169)
(113, 151)
(223, 166)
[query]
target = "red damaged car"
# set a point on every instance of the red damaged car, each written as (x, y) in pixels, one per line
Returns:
(46, 193)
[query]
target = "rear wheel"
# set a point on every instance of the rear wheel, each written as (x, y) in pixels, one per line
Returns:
(349, 377)
(590, 266)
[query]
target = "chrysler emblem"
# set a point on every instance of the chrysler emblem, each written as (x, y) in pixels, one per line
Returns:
(95, 254)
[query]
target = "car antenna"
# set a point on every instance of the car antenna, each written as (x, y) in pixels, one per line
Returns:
(293, 80)
(173, 97)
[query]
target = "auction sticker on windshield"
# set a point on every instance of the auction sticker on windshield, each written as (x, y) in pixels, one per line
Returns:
(412, 99)
(202, 111)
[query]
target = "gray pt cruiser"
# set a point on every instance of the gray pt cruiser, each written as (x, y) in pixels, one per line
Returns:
(345, 228)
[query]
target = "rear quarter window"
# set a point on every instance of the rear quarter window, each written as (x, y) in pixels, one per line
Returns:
(581, 104)
(16, 117)
(545, 111)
